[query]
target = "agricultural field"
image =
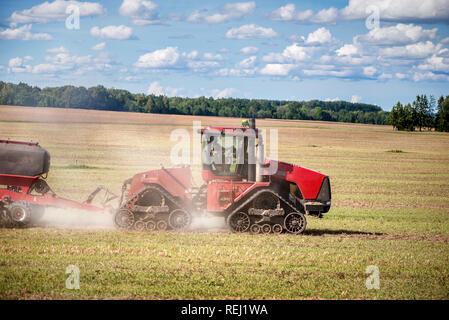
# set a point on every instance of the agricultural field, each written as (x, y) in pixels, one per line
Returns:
(390, 209)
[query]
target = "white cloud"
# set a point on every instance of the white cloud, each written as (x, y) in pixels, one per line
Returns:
(247, 63)
(355, 99)
(321, 35)
(400, 75)
(347, 50)
(249, 50)
(332, 99)
(229, 12)
(398, 10)
(61, 49)
(435, 63)
(18, 65)
(325, 72)
(289, 13)
(369, 71)
(211, 56)
(413, 51)
(100, 46)
(250, 31)
(385, 76)
(45, 68)
(23, 33)
(425, 76)
(15, 62)
(55, 11)
(140, 11)
(158, 90)
(162, 58)
(293, 52)
(133, 78)
(277, 69)
(202, 66)
(61, 62)
(120, 32)
(398, 34)
(223, 93)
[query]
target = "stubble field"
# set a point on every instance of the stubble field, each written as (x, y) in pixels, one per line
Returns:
(389, 209)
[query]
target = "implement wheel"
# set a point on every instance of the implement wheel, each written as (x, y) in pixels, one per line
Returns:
(20, 212)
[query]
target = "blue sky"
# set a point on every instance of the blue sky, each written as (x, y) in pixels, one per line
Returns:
(369, 51)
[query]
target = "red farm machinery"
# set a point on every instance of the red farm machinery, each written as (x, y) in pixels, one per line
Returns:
(252, 193)
(24, 193)
(239, 185)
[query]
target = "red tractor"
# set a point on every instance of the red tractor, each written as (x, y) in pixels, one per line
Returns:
(249, 194)
(24, 193)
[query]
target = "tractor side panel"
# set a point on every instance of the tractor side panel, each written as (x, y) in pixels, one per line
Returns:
(222, 194)
(177, 181)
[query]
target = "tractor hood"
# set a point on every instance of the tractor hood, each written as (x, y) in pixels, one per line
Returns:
(308, 181)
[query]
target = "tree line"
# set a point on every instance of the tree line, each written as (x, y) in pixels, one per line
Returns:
(422, 113)
(101, 98)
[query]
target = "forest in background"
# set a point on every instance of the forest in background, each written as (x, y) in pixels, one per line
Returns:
(101, 98)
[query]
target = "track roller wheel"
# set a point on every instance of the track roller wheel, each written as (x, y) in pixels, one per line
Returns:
(277, 228)
(139, 225)
(150, 225)
(161, 225)
(266, 228)
(295, 223)
(124, 218)
(179, 219)
(238, 222)
(255, 229)
(20, 212)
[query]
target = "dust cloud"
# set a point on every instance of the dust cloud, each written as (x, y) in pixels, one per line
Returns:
(207, 223)
(80, 219)
(75, 219)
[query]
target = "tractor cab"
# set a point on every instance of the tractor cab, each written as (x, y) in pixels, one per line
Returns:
(229, 153)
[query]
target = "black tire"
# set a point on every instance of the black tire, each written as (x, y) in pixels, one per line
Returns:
(139, 225)
(124, 219)
(20, 212)
(179, 219)
(277, 228)
(161, 225)
(150, 225)
(266, 228)
(295, 223)
(239, 221)
(255, 229)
